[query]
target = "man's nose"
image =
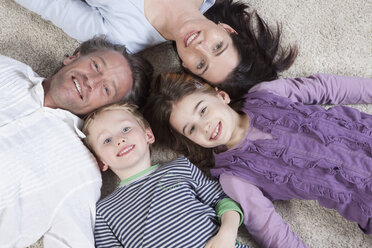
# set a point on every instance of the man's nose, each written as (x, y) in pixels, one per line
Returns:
(94, 80)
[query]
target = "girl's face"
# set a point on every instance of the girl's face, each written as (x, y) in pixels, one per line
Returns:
(206, 119)
(206, 49)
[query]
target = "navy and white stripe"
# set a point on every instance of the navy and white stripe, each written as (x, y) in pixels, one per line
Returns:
(172, 206)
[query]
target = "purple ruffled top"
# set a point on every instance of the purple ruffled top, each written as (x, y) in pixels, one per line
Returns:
(313, 154)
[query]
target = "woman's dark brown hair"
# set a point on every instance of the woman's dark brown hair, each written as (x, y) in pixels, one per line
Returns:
(261, 55)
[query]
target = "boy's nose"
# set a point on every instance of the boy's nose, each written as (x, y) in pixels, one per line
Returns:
(121, 141)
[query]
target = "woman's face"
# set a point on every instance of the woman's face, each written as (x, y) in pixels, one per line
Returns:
(206, 49)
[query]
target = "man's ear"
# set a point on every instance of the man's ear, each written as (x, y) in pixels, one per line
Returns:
(150, 137)
(228, 28)
(71, 58)
(224, 96)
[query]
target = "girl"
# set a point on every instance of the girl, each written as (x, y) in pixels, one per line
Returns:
(277, 142)
(219, 46)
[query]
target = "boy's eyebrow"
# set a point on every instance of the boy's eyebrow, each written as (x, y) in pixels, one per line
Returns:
(194, 110)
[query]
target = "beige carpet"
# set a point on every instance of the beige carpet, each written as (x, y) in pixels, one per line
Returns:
(334, 36)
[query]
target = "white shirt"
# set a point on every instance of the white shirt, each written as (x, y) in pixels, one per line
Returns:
(49, 181)
(122, 21)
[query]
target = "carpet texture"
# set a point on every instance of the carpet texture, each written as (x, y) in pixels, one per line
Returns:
(333, 36)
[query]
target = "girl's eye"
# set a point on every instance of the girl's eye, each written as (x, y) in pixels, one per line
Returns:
(126, 129)
(203, 110)
(200, 65)
(192, 129)
(218, 46)
(108, 140)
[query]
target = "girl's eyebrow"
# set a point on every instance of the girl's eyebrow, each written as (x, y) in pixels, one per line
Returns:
(195, 109)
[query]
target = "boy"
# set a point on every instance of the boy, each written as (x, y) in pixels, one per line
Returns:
(170, 205)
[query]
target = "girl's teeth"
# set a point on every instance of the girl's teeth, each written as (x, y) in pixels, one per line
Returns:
(216, 132)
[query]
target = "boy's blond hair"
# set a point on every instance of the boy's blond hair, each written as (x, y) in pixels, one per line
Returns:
(128, 107)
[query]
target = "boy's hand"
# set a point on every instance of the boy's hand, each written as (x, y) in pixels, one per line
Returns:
(222, 240)
(226, 236)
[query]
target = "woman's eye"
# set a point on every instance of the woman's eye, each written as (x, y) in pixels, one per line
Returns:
(218, 46)
(126, 129)
(108, 140)
(200, 65)
(203, 110)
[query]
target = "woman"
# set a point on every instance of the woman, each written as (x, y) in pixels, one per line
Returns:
(220, 46)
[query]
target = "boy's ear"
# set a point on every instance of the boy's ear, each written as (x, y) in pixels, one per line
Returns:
(71, 58)
(150, 137)
(224, 96)
(102, 165)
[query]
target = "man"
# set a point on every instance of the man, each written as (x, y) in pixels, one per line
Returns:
(49, 181)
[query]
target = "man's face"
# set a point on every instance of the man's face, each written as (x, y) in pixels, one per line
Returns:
(89, 81)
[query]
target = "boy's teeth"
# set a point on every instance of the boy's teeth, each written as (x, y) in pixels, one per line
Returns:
(77, 85)
(191, 38)
(126, 150)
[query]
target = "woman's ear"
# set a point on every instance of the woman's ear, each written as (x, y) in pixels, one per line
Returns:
(228, 28)
(150, 137)
(224, 96)
(69, 59)
(184, 65)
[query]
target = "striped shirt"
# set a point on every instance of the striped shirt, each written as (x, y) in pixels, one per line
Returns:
(49, 181)
(172, 205)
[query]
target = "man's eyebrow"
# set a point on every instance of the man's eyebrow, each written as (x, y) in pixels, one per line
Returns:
(217, 54)
(102, 60)
(194, 110)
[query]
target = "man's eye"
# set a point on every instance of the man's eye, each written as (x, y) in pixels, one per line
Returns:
(200, 65)
(218, 46)
(126, 129)
(108, 140)
(95, 65)
(107, 90)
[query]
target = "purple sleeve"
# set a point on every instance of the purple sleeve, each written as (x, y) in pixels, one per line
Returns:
(265, 225)
(321, 89)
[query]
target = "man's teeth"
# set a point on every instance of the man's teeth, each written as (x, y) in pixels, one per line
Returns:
(216, 132)
(126, 150)
(191, 38)
(77, 86)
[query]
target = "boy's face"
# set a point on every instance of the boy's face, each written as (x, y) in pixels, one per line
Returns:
(120, 142)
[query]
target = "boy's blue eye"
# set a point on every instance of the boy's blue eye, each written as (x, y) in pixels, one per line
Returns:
(108, 140)
(126, 129)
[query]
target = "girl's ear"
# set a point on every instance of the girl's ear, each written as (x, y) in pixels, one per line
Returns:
(184, 65)
(69, 59)
(228, 28)
(223, 96)
(150, 137)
